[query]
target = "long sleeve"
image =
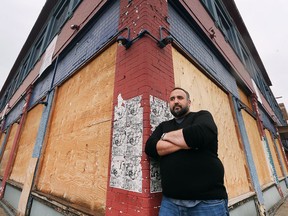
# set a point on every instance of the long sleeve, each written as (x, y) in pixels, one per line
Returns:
(150, 147)
(202, 133)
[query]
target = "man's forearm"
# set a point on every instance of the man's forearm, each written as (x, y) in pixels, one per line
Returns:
(171, 142)
(165, 147)
(176, 137)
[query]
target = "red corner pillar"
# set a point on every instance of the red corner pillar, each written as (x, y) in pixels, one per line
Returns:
(143, 71)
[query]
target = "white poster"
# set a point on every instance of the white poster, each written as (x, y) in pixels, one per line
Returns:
(126, 170)
(257, 91)
(47, 59)
(159, 112)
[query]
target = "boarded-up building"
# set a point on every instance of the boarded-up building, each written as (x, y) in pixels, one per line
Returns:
(283, 129)
(91, 83)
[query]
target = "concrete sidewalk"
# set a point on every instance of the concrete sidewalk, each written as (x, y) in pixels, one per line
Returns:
(283, 209)
(2, 212)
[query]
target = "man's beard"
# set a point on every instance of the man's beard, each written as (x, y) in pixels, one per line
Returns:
(180, 112)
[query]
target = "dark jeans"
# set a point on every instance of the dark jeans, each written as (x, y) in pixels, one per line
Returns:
(204, 208)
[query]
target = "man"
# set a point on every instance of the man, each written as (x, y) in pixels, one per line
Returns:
(191, 172)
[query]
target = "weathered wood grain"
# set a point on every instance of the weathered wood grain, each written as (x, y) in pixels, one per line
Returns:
(75, 162)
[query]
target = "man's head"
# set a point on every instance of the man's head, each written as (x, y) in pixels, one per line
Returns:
(179, 102)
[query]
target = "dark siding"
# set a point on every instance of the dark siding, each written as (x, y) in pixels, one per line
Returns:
(15, 113)
(266, 121)
(42, 86)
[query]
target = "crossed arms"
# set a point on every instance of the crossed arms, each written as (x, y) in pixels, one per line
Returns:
(171, 142)
(199, 131)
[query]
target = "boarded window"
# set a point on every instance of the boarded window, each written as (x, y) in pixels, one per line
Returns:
(76, 158)
(26, 144)
(8, 148)
(257, 148)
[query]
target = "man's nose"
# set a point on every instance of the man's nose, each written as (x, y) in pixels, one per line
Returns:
(176, 103)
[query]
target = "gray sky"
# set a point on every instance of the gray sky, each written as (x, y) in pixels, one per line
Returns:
(17, 19)
(266, 23)
(264, 19)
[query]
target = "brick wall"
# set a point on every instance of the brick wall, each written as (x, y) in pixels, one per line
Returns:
(142, 70)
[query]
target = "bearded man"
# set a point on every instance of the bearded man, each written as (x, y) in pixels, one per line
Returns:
(192, 175)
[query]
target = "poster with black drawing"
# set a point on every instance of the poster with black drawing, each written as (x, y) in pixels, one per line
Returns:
(126, 170)
(159, 112)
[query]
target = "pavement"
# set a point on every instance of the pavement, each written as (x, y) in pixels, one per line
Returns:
(2, 212)
(281, 211)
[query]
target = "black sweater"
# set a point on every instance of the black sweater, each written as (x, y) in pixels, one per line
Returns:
(194, 174)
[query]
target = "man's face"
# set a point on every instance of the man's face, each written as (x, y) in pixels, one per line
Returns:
(179, 103)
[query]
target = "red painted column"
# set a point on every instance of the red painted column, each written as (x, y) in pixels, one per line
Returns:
(14, 148)
(256, 109)
(142, 70)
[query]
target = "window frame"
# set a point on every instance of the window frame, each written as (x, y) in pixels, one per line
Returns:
(223, 22)
(38, 48)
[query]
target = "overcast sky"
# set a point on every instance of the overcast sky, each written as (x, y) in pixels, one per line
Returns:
(17, 19)
(264, 19)
(266, 22)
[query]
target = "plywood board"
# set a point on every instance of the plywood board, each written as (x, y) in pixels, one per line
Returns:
(257, 148)
(76, 158)
(208, 96)
(26, 144)
(2, 136)
(27, 186)
(6, 154)
(244, 98)
(2, 146)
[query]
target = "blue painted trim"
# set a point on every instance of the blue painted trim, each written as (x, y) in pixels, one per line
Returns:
(43, 126)
(267, 122)
(42, 86)
(15, 112)
(274, 173)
